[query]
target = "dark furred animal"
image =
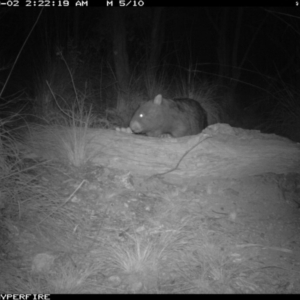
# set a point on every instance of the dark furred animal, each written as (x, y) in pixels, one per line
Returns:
(176, 117)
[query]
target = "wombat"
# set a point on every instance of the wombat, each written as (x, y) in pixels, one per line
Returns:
(162, 117)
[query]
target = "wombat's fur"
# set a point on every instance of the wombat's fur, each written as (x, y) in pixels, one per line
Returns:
(177, 117)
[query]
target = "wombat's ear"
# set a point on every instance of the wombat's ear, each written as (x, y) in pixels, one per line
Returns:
(158, 99)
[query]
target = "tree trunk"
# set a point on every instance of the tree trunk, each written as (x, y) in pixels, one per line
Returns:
(156, 42)
(220, 151)
(223, 49)
(120, 54)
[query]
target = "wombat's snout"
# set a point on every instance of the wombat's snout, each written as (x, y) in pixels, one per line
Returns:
(135, 126)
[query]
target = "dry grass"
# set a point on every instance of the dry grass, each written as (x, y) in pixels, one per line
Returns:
(48, 246)
(58, 238)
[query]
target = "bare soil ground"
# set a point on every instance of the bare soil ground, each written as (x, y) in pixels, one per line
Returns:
(96, 229)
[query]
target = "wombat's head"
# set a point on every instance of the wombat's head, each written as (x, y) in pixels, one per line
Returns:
(148, 117)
